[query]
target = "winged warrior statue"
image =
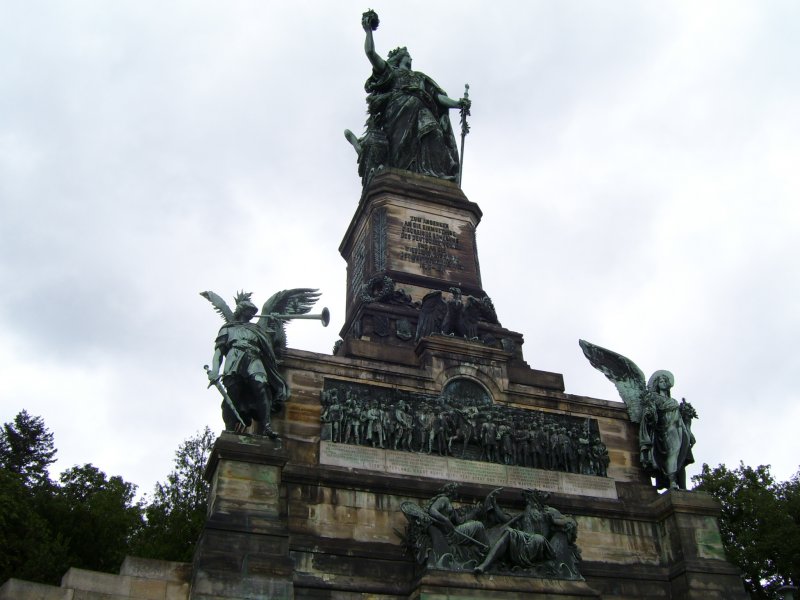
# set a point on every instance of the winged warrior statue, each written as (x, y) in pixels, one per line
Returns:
(665, 425)
(252, 387)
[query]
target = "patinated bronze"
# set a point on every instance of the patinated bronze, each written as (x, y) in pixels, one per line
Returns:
(455, 316)
(408, 126)
(462, 422)
(251, 383)
(665, 425)
(538, 542)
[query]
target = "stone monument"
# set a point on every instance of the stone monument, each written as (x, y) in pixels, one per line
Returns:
(357, 497)
(426, 458)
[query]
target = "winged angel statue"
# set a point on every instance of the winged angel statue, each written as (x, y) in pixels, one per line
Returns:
(251, 385)
(665, 425)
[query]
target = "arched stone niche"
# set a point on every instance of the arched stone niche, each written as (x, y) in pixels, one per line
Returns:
(463, 391)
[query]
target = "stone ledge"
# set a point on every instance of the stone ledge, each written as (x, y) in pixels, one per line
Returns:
(245, 448)
(93, 581)
(17, 589)
(453, 582)
(683, 501)
(151, 568)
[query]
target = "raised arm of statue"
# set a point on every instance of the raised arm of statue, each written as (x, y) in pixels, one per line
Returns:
(369, 21)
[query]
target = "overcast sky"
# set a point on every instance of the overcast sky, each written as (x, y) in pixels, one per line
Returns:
(636, 164)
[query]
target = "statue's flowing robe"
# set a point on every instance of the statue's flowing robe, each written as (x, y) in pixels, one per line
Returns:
(528, 545)
(403, 106)
(666, 440)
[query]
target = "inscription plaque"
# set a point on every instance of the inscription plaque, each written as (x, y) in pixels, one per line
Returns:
(476, 472)
(520, 477)
(581, 485)
(430, 244)
(455, 469)
(355, 457)
(405, 463)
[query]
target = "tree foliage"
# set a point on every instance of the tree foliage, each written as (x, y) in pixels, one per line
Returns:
(177, 512)
(759, 523)
(27, 449)
(86, 519)
(97, 516)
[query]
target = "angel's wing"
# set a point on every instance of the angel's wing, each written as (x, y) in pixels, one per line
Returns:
(431, 314)
(622, 372)
(219, 305)
(297, 301)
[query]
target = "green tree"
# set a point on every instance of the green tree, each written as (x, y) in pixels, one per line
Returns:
(759, 523)
(176, 515)
(83, 520)
(29, 549)
(86, 519)
(97, 516)
(27, 449)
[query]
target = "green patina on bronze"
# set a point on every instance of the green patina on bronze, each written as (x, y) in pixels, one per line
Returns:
(251, 384)
(408, 126)
(665, 425)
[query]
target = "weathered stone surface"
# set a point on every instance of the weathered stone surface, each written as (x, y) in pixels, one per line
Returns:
(149, 568)
(17, 589)
(92, 581)
(454, 469)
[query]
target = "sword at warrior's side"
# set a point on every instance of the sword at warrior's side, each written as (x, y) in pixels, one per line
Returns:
(464, 131)
(216, 383)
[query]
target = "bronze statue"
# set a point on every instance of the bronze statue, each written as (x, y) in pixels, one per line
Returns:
(408, 126)
(665, 425)
(453, 317)
(540, 541)
(540, 534)
(251, 385)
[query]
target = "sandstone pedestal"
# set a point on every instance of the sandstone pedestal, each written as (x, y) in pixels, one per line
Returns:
(317, 515)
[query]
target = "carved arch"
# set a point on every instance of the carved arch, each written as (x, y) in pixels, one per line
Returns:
(474, 373)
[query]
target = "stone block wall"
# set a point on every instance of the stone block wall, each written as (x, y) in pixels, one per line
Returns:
(286, 525)
(138, 579)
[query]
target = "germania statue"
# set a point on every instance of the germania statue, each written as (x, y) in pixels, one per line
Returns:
(251, 385)
(408, 126)
(665, 425)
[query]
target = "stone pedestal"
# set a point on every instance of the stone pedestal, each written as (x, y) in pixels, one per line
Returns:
(310, 519)
(318, 515)
(244, 551)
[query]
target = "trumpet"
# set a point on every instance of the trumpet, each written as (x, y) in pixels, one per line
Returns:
(324, 316)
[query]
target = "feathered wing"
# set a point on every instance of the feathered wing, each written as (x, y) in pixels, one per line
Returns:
(622, 372)
(297, 301)
(431, 314)
(219, 305)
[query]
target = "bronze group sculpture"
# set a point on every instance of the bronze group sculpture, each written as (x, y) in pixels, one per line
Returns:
(251, 385)
(540, 541)
(665, 425)
(454, 317)
(461, 424)
(408, 126)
